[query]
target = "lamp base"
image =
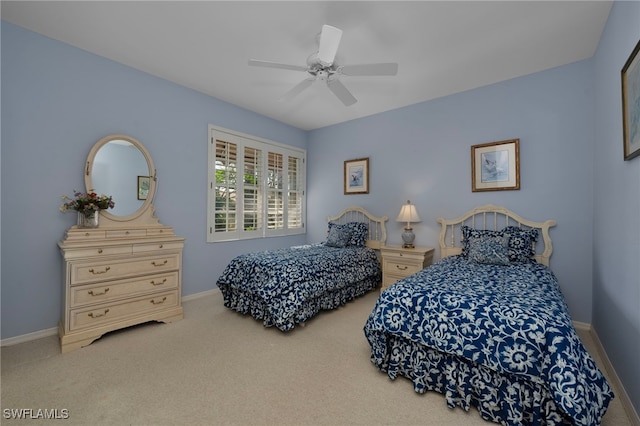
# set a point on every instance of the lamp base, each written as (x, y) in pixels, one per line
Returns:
(408, 237)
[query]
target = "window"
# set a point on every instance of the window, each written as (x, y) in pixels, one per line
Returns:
(256, 187)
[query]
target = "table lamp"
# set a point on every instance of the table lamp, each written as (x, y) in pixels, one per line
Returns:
(408, 213)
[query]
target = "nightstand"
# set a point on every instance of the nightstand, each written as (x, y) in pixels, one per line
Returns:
(399, 262)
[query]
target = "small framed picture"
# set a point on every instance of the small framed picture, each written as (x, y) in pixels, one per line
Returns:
(356, 176)
(495, 166)
(143, 187)
(631, 104)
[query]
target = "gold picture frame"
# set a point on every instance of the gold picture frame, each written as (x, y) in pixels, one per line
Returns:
(630, 76)
(495, 166)
(356, 176)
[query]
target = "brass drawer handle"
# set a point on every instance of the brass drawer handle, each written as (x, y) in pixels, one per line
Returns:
(92, 293)
(159, 264)
(94, 272)
(92, 315)
(404, 268)
(153, 282)
(155, 302)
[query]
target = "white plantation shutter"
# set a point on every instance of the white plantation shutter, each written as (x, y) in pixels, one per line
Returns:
(256, 187)
(225, 203)
(252, 180)
(295, 192)
(275, 193)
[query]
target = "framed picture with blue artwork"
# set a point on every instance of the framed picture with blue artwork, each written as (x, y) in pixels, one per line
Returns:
(631, 104)
(495, 166)
(356, 176)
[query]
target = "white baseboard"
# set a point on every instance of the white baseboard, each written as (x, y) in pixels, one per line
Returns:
(616, 382)
(10, 341)
(201, 294)
(582, 326)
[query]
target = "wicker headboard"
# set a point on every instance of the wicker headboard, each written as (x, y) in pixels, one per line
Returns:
(495, 218)
(377, 228)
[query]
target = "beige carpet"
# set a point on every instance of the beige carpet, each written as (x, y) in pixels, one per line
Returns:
(218, 367)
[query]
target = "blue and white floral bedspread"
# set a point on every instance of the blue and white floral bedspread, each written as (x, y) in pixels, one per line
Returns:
(288, 286)
(512, 319)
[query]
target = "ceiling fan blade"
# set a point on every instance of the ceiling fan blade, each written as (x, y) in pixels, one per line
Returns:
(389, 68)
(269, 64)
(341, 92)
(329, 42)
(297, 89)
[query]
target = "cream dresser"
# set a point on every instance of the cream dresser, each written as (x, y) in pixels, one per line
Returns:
(399, 262)
(117, 278)
(126, 271)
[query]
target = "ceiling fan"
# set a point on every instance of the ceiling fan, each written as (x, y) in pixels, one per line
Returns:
(321, 65)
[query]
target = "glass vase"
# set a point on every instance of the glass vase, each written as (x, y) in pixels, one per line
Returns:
(88, 221)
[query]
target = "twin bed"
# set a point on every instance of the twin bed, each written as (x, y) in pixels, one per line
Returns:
(487, 325)
(289, 286)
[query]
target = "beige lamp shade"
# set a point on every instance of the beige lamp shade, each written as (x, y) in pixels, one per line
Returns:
(408, 213)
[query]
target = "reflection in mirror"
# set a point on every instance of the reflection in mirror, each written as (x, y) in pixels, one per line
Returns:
(115, 171)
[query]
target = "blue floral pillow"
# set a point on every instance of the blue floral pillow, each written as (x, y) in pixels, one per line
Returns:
(491, 250)
(521, 243)
(469, 233)
(359, 233)
(339, 235)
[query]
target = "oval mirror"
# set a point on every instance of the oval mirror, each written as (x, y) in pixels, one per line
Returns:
(121, 167)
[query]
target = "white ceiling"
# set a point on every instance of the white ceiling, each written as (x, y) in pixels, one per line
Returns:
(442, 47)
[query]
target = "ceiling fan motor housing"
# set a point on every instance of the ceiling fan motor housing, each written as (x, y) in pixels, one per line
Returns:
(320, 70)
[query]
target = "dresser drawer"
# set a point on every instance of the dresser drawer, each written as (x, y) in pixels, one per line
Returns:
(402, 268)
(161, 245)
(87, 272)
(126, 233)
(406, 255)
(159, 232)
(116, 311)
(82, 234)
(104, 292)
(97, 251)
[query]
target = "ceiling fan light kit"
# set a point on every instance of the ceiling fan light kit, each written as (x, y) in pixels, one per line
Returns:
(322, 66)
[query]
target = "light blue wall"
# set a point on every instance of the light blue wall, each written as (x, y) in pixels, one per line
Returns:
(57, 101)
(422, 153)
(616, 262)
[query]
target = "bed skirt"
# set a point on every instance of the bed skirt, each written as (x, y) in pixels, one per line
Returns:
(504, 399)
(254, 305)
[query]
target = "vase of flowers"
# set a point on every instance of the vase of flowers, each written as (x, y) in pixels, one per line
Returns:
(88, 206)
(89, 219)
